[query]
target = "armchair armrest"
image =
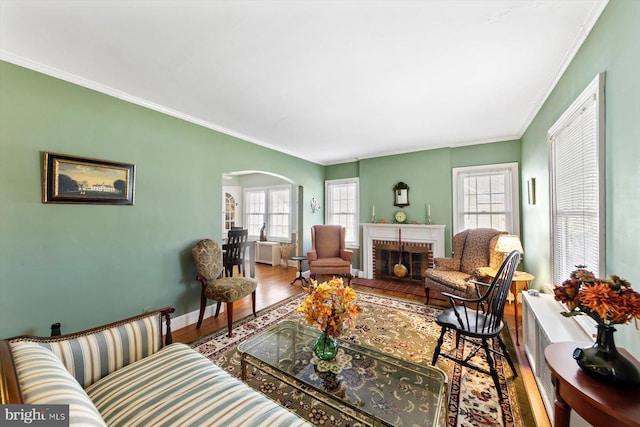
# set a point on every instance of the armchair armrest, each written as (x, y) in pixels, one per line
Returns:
(453, 298)
(346, 255)
(9, 384)
(478, 286)
(312, 255)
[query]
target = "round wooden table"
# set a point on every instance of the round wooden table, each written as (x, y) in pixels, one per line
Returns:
(303, 280)
(519, 278)
(597, 402)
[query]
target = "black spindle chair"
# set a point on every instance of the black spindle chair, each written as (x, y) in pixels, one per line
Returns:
(479, 321)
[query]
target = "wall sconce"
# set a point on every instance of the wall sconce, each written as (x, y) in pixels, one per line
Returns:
(315, 205)
(531, 190)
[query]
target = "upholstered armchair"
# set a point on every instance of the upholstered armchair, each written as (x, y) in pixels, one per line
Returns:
(474, 257)
(328, 254)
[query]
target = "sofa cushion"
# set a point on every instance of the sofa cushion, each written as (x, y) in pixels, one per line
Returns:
(89, 357)
(228, 289)
(179, 386)
(45, 381)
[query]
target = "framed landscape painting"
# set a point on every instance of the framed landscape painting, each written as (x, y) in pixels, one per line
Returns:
(71, 179)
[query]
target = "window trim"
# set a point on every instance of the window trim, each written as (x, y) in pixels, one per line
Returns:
(594, 89)
(515, 190)
(355, 244)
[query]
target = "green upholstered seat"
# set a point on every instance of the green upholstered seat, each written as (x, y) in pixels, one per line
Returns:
(207, 256)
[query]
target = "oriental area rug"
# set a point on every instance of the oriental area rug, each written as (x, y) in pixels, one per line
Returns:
(401, 328)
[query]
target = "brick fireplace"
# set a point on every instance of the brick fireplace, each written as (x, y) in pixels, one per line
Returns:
(421, 243)
(416, 257)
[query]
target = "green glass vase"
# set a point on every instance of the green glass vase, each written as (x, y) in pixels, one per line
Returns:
(603, 361)
(325, 347)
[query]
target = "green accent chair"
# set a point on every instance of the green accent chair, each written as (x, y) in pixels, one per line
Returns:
(207, 256)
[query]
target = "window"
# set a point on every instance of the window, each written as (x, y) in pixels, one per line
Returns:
(255, 203)
(279, 213)
(342, 201)
(576, 155)
(486, 196)
(271, 206)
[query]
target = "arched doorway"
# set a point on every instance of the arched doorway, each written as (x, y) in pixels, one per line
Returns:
(242, 207)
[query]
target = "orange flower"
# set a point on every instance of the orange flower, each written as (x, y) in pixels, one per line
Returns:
(608, 302)
(330, 306)
(599, 298)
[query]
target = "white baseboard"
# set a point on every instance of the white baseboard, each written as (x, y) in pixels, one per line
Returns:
(191, 318)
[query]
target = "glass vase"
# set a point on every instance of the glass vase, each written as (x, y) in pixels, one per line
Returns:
(325, 347)
(603, 361)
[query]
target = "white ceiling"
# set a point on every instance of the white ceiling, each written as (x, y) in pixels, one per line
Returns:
(327, 81)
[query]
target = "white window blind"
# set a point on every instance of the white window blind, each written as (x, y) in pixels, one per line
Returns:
(342, 201)
(486, 196)
(576, 145)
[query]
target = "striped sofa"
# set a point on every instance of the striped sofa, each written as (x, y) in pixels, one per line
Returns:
(122, 375)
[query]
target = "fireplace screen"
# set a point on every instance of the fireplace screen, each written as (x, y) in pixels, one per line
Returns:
(388, 258)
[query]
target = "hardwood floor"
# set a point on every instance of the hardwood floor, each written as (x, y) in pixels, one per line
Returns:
(275, 286)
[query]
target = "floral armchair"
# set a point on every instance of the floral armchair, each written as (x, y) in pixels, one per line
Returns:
(474, 257)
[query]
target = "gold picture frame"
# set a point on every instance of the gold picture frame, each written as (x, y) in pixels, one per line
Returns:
(73, 179)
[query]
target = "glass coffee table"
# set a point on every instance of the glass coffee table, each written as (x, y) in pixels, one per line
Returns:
(367, 385)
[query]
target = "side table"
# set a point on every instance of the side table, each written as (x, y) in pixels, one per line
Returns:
(600, 404)
(303, 280)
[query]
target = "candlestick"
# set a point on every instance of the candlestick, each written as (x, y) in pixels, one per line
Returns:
(428, 214)
(373, 213)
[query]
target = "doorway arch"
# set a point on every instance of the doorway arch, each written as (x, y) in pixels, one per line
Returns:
(238, 180)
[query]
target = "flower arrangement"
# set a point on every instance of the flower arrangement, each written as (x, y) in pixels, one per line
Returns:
(330, 306)
(607, 301)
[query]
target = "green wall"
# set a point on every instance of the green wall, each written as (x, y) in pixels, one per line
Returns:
(613, 46)
(84, 265)
(429, 176)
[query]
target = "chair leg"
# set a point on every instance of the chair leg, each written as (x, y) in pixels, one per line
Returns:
(253, 303)
(426, 292)
(230, 316)
(218, 308)
(507, 356)
(436, 352)
(203, 305)
(492, 368)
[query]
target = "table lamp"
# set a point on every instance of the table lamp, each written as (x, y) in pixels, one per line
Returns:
(507, 243)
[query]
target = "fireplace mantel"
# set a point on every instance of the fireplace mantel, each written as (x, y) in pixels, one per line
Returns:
(419, 233)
